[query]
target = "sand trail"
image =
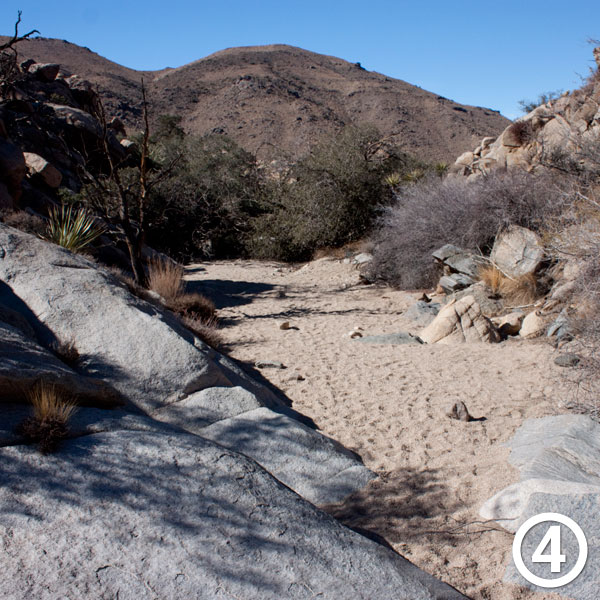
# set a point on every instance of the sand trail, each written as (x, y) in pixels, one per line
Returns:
(388, 403)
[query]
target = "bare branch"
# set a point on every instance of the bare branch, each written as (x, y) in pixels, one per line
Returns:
(16, 38)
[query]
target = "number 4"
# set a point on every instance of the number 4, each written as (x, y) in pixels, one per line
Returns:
(555, 558)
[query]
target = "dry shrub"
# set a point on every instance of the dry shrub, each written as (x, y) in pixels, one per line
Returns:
(521, 131)
(206, 330)
(514, 290)
(67, 352)
(467, 214)
(166, 279)
(49, 424)
(492, 277)
(25, 222)
(195, 306)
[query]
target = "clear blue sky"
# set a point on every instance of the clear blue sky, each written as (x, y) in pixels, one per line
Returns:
(479, 52)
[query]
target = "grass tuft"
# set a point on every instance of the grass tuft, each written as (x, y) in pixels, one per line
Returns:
(67, 352)
(206, 330)
(49, 424)
(166, 279)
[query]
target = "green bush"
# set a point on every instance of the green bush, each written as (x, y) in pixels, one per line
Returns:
(330, 197)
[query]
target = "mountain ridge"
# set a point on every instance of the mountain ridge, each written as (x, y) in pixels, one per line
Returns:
(279, 99)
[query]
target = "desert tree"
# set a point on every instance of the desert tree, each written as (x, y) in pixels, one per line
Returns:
(122, 194)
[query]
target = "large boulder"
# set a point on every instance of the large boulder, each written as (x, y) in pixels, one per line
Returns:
(458, 260)
(313, 465)
(160, 367)
(517, 251)
(559, 462)
(555, 455)
(143, 351)
(460, 321)
(24, 364)
(140, 515)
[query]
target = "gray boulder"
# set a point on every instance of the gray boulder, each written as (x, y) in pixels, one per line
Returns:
(583, 509)
(517, 251)
(458, 260)
(455, 282)
(559, 454)
(313, 465)
(24, 364)
(208, 406)
(149, 515)
(143, 351)
(422, 313)
(393, 339)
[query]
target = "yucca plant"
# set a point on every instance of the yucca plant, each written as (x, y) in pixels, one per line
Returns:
(71, 229)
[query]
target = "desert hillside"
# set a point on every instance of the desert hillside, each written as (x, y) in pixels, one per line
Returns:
(279, 99)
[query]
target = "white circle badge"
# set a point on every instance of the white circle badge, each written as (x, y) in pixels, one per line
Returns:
(554, 558)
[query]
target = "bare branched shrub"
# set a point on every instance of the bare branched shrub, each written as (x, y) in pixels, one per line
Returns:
(49, 424)
(468, 214)
(521, 131)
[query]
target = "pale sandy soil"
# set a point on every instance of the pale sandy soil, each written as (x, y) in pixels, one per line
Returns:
(389, 403)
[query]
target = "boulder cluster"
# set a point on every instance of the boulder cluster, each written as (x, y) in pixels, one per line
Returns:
(52, 134)
(566, 125)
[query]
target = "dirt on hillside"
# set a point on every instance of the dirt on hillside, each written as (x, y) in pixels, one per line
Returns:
(388, 403)
(277, 100)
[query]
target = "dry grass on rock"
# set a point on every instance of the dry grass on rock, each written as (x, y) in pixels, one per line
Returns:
(51, 413)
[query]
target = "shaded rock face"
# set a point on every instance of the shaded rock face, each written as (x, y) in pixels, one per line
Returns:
(52, 119)
(157, 515)
(567, 124)
(460, 321)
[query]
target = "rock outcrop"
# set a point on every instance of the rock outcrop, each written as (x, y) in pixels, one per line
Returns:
(159, 367)
(161, 515)
(567, 124)
(558, 458)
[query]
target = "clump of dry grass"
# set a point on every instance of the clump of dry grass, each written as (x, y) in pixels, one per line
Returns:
(166, 278)
(516, 290)
(196, 312)
(67, 352)
(51, 413)
(492, 277)
(25, 222)
(194, 306)
(206, 330)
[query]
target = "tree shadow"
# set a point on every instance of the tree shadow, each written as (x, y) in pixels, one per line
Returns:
(226, 293)
(402, 506)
